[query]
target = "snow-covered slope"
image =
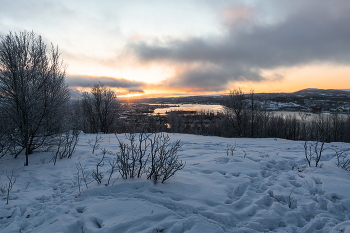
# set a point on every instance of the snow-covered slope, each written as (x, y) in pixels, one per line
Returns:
(264, 187)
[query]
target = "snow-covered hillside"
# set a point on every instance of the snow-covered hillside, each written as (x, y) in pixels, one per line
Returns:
(264, 187)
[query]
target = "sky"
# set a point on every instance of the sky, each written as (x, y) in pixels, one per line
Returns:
(192, 47)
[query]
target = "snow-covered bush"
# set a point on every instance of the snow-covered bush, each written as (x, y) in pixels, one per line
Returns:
(230, 149)
(96, 173)
(6, 189)
(95, 143)
(164, 159)
(343, 160)
(82, 176)
(66, 144)
(153, 154)
(114, 165)
(313, 152)
(133, 155)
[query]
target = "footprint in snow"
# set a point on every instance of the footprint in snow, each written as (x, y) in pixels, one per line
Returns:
(81, 209)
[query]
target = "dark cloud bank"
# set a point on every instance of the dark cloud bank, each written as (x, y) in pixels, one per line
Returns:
(89, 81)
(312, 32)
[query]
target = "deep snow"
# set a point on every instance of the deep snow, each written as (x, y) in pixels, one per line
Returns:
(264, 187)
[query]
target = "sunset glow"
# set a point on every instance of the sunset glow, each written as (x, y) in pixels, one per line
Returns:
(172, 48)
(131, 95)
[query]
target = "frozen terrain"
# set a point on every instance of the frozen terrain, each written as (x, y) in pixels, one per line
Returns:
(264, 187)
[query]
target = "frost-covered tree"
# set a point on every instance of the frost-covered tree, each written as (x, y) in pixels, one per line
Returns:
(100, 107)
(33, 89)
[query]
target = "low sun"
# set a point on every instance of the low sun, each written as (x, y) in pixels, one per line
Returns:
(130, 95)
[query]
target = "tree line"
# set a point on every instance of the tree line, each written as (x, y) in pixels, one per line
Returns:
(244, 116)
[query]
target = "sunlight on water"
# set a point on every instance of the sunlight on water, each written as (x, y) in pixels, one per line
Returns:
(191, 107)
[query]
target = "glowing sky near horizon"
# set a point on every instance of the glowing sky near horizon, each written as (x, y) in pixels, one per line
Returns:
(168, 47)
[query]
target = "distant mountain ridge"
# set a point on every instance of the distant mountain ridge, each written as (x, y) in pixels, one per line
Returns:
(313, 91)
(330, 97)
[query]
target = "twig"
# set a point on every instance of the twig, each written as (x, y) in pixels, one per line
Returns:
(30, 180)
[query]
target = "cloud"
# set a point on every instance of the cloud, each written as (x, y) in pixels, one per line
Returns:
(310, 32)
(89, 81)
(209, 78)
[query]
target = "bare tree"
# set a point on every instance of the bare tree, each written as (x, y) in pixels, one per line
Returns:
(100, 107)
(33, 89)
(254, 113)
(235, 105)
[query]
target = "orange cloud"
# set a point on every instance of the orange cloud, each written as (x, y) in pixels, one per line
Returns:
(234, 15)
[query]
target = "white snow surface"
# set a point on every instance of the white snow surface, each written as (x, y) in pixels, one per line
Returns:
(264, 187)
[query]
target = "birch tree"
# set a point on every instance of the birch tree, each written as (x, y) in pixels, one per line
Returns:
(33, 89)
